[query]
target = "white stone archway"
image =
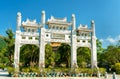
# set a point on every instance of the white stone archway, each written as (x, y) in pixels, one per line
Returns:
(59, 30)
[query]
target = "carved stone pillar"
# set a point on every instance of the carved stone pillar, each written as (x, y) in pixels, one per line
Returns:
(17, 43)
(42, 42)
(18, 20)
(73, 43)
(93, 48)
(17, 51)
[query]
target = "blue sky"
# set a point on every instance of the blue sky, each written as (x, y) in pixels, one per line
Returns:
(105, 13)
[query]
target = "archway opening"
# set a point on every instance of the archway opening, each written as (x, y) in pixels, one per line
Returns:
(49, 56)
(57, 55)
(64, 54)
(83, 57)
(29, 56)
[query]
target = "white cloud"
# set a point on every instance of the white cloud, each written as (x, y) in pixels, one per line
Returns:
(119, 37)
(110, 40)
(101, 40)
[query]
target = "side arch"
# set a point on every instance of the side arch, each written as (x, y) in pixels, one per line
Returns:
(29, 55)
(83, 57)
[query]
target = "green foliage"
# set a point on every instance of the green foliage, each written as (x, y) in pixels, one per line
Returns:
(90, 71)
(100, 53)
(30, 69)
(1, 66)
(102, 70)
(26, 69)
(99, 46)
(3, 59)
(116, 67)
(10, 69)
(57, 58)
(112, 55)
(34, 69)
(49, 56)
(64, 52)
(109, 57)
(7, 48)
(29, 55)
(2, 43)
(83, 56)
(9, 40)
(85, 70)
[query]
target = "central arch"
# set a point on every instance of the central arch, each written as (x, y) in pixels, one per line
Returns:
(58, 54)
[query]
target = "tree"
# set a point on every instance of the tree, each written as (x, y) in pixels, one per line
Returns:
(29, 55)
(99, 46)
(116, 67)
(9, 39)
(100, 54)
(3, 59)
(2, 43)
(111, 55)
(83, 56)
(64, 51)
(49, 56)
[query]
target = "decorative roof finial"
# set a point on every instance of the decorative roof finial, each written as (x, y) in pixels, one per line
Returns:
(19, 14)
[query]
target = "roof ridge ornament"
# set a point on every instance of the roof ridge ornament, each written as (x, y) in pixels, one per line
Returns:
(83, 26)
(53, 19)
(29, 22)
